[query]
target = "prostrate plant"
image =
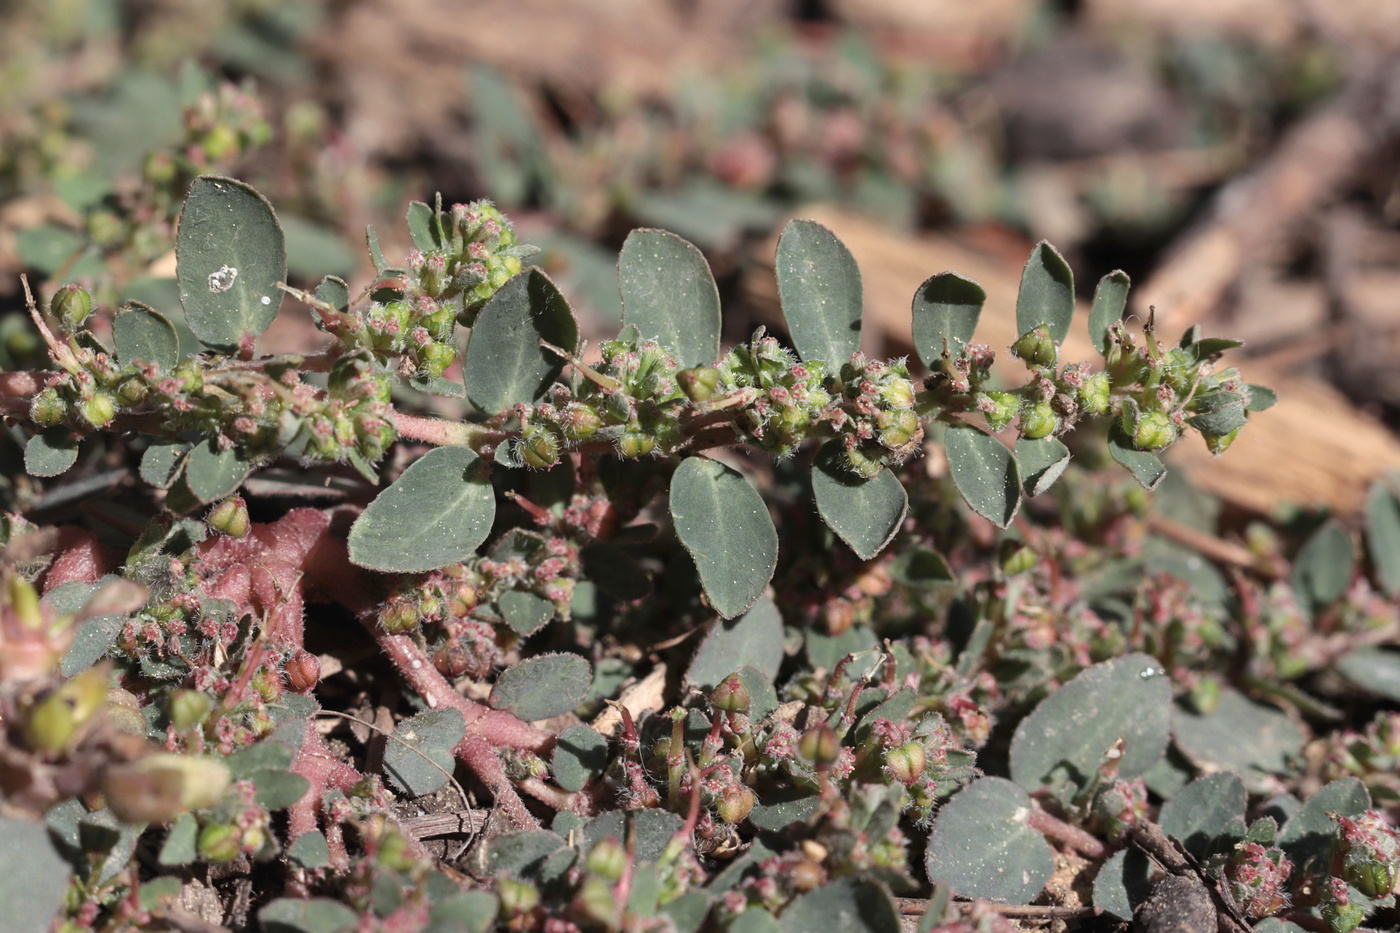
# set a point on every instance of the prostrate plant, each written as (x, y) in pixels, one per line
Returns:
(538, 508)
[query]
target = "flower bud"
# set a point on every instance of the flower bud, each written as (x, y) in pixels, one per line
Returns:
(517, 897)
(72, 306)
(1369, 849)
(1016, 557)
(220, 143)
(906, 762)
(464, 600)
(731, 696)
(1094, 394)
(539, 447)
(188, 709)
(1154, 431)
(1038, 420)
(398, 617)
(393, 852)
(98, 410)
(699, 383)
(163, 785)
(898, 429)
(56, 722)
(302, 670)
(735, 803)
(999, 408)
(1340, 914)
(596, 903)
(105, 228)
(1218, 445)
(1257, 879)
(635, 444)
(898, 393)
(819, 745)
(47, 409)
(437, 357)
(1036, 347)
(132, 391)
(218, 842)
(608, 858)
(865, 462)
(230, 517)
(580, 421)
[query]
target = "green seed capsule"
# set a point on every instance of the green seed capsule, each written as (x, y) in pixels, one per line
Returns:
(1155, 431)
(1037, 348)
(1038, 420)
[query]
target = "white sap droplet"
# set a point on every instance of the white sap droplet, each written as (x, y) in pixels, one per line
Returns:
(266, 300)
(432, 701)
(416, 664)
(222, 280)
(1151, 672)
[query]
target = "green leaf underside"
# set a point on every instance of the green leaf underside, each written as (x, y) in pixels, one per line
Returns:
(1383, 537)
(422, 226)
(754, 639)
(1124, 882)
(1041, 463)
(1238, 735)
(1110, 298)
(1070, 732)
(847, 905)
(981, 846)
(418, 759)
(984, 472)
(543, 686)
(231, 256)
(33, 877)
(212, 473)
(669, 295)
(820, 290)
(524, 611)
(1323, 568)
(505, 363)
(865, 513)
(1147, 468)
(724, 524)
(50, 452)
(1047, 293)
(1198, 812)
(1375, 670)
(437, 513)
(946, 309)
(161, 460)
(142, 333)
(580, 753)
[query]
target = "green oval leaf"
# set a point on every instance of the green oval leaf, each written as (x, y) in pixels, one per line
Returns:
(310, 915)
(50, 452)
(1041, 463)
(142, 333)
(946, 309)
(724, 524)
(984, 472)
(1375, 670)
(819, 287)
(754, 639)
(669, 295)
(580, 754)
(277, 789)
(230, 257)
(1147, 468)
(1110, 298)
(1383, 537)
(423, 226)
(33, 877)
(981, 846)
(524, 611)
(1047, 293)
(847, 905)
(1124, 882)
(1323, 568)
(419, 758)
(1308, 834)
(543, 686)
(1197, 813)
(1239, 735)
(505, 363)
(1066, 737)
(160, 462)
(865, 513)
(437, 513)
(212, 473)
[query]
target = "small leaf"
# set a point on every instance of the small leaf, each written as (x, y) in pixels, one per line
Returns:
(580, 754)
(464, 912)
(1124, 882)
(1041, 463)
(161, 461)
(422, 226)
(1375, 670)
(921, 568)
(437, 513)
(1147, 468)
(310, 850)
(819, 286)
(779, 812)
(946, 309)
(505, 363)
(847, 905)
(651, 828)
(1240, 736)
(1068, 734)
(1198, 812)
(142, 333)
(1110, 298)
(275, 752)
(1261, 398)
(724, 524)
(669, 295)
(1218, 413)
(94, 636)
(418, 758)
(865, 513)
(1383, 537)
(212, 473)
(33, 878)
(1047, 293)
(51, 452)
(230, 258)
(335, 292)
(524, 611)
(522, 854)
(181, 843)
(984, 472)
(1323, 569)
(277, 789)
(543, 686)
(754, 639)
(306, 915)
(981, 846)
(1308, 834)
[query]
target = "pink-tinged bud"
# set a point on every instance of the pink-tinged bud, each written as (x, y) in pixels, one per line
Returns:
(302, 670)
(906, 762)
(699, 383)
(231, 517)
(819, 745)
(735, 803)
(731, 696)
(1369, 849)
(1258, 879)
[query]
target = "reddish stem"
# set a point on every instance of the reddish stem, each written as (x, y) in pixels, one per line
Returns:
(1072, 836)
